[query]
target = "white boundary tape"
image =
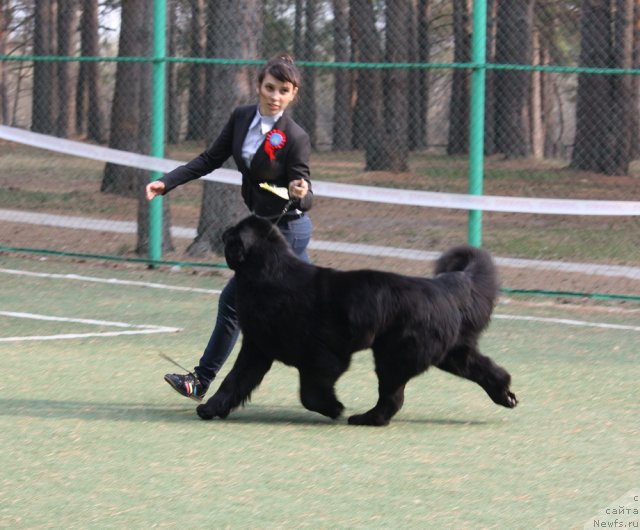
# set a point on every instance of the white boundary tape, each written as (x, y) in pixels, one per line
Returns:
(336, 190)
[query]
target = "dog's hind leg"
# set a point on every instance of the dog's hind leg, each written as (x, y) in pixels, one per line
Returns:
(247, 373)
(392, 379)
(466, 361)
(389, 402)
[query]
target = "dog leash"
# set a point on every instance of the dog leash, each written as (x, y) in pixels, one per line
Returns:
(282, 193)
(284, 211)
(166, 357)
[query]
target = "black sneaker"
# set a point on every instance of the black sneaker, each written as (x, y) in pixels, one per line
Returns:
(187, 385)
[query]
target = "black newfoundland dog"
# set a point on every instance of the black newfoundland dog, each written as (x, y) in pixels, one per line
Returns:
(315, 318)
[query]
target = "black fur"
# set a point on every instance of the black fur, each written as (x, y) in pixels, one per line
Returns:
(315, 318)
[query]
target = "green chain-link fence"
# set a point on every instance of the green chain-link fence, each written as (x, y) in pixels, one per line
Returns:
(396, 95)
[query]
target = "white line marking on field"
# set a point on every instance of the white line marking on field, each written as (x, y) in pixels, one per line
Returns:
(139, 329)
(82, 335)
(569, 322)
(111, 281)
(89, 321)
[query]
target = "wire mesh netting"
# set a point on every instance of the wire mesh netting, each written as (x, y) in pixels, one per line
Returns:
(386, 100)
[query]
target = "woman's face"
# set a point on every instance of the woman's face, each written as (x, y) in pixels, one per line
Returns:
(274, 96)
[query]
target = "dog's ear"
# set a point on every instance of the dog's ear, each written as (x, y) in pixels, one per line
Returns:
(225, 234)
(234, 249)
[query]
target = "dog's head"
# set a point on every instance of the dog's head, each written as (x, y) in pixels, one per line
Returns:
(252, 243)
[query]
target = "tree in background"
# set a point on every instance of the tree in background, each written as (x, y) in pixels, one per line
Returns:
(393, 146)
(458, 138)
(44, 72)
(67, 20)
(173, 90)
(419, 79)
(342, 108)
(512, 87)
(381, 114)
(635, 83)
(233, 31)
(131, 118)
(130, 112)
(196, 119)
(550, 47)
(605, 109)
(489, 101)
(304, 48)
(367, 113)
(367, 83)
(6, 16)
(89, 114)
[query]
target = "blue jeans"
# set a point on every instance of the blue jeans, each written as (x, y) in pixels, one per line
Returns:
(226, 331)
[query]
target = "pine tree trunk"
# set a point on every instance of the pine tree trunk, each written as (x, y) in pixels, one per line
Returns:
(394, 143)
(44, 78)
(458, 141)
(233, 30)
(89, 113)
(130, 128)
(342, 111)
(67, 21)
(512, 87)
(304, 110)
(196, 119)
(367, 117)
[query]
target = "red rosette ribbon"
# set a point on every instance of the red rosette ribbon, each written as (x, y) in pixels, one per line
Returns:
(275, 140)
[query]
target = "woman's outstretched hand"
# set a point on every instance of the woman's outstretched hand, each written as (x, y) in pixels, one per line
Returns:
(154, 189)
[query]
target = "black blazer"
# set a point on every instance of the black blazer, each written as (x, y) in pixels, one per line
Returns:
(291, 163)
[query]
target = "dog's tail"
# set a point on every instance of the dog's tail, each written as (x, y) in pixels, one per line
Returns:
(478, 266)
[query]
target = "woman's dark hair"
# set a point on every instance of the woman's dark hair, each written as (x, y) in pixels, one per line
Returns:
(282, 68)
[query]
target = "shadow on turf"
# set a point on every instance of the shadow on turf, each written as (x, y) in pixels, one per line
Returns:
(138, 412)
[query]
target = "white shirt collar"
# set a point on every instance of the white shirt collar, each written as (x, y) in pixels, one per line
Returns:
(267, 121)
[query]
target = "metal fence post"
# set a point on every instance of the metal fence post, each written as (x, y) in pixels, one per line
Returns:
(476, 116)
(157, 122)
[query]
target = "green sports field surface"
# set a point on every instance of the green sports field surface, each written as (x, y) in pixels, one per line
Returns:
(92, 437)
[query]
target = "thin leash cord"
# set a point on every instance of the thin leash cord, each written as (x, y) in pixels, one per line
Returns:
(284, 211)
(165, 356)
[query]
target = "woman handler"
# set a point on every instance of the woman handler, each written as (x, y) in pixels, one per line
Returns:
(268, 147)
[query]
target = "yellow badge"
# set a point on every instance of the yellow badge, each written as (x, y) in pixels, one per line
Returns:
(283, 193)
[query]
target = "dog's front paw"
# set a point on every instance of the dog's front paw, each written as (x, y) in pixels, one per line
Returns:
(335, 411)
(510, 400)
(369, 418)
(506, 398)
(211, 409)
(205, 412)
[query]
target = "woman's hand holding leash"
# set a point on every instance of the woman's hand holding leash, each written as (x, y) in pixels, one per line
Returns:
(298, 188)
